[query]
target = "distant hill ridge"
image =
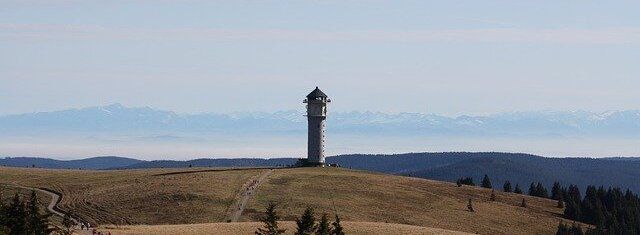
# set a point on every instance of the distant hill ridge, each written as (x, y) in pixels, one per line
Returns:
(95, 163)
(518, 168)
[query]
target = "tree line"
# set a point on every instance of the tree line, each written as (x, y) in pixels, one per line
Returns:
(305, 224)
(610, 211)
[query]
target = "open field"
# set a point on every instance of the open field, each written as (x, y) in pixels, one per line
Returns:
(199, 196)
(364, 196)
(357, 228)
(138, 196)
(7, 193)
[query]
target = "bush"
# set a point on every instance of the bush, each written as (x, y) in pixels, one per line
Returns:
(465, 181)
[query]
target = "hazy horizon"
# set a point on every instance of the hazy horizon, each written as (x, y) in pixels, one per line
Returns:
(478, 75)
(153, 134)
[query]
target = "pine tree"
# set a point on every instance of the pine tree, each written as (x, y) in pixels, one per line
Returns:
(518, 190)
(2, 211)
(532, 189)
(541, 191)
(337, 227)
(36, 223)
(17, 215)
(323, 226)
(270, 222)
(572, 210)
(486, 182)
(306, 223)
(3, 216)
(556, 191)
(523, 203)
(507, 186)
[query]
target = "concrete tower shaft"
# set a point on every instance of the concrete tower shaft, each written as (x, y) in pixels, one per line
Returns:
(316, 118)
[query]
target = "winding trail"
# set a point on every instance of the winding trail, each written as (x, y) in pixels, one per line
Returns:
(247, 191)
(53, 204)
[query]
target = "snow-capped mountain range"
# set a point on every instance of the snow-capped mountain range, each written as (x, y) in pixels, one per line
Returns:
(116, 118)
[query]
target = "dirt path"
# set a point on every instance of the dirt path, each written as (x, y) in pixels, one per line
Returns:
(53, 205)
(247, 191)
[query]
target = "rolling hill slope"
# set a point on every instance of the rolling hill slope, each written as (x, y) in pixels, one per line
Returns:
(205, 195)
(515, 167)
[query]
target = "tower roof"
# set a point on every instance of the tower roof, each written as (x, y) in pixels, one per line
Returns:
(316, 93)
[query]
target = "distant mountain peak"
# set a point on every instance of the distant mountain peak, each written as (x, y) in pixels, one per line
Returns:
(119, 118)
(114, 106)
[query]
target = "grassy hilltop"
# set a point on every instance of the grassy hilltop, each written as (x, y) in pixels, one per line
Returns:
(199, 195)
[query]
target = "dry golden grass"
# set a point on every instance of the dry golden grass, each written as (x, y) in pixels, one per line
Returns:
(138, 196)
(7, 193)
(356, 228)
(145, 197)
(364, 196)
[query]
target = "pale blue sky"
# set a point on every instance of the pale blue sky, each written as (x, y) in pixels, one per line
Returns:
(448, 57)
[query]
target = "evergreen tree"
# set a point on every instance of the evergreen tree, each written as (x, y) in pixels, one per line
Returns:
(532, 189)
(337, 227)
(270, 222)
(2, 210)
(16, 216)
(3, 216)
(541, 191)
(518, 190)
(556, 191)
(306, 223)
(538, 190)
(323, 226)
(486, 182)
(36, 223)
(506, 187)
(573, 194)
(572, 210)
